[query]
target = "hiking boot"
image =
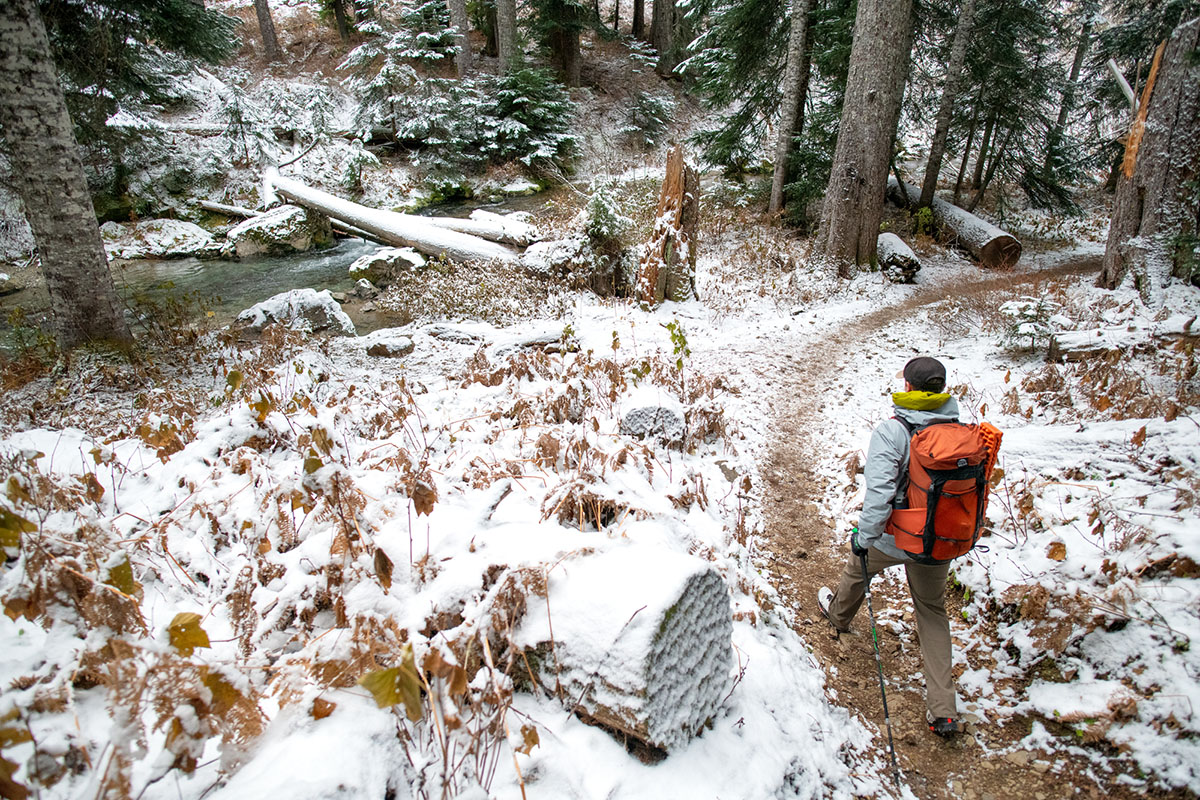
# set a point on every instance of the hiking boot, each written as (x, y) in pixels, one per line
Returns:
(824, 598)
(946, 727)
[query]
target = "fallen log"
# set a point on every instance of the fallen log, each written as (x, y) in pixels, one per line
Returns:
(990, 245)
(896, 259)
(1132, 337)
(641, 642)
(490, 226)
(227, 210)
(398, 230)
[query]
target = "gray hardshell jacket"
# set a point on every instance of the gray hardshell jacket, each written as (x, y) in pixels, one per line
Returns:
(887, 458)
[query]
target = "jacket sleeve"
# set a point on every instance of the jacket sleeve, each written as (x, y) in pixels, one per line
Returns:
(885, 456)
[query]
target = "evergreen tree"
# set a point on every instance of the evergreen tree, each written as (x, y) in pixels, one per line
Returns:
(119, 54)
(557, 25)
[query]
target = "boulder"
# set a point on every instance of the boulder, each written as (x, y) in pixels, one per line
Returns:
(157, 238)
(382, 266)
(299, 309)
(6, 285)
(651, 413)
(388, 344)
(641, 642)
(282, 230)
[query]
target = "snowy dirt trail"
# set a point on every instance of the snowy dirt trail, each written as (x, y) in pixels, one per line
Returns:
(817, 403)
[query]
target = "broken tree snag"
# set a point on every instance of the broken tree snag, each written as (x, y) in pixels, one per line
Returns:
(991, 246)
(896, 259)
(637, 642)
(390, 227)
(668, 266)
(1156, 213)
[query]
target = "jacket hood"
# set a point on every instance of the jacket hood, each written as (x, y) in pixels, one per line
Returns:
(925, 408)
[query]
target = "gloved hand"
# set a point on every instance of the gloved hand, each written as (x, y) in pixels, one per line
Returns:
(856, 546)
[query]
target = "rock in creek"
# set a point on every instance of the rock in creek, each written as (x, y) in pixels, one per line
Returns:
(300, 309)
(282, 230)
(157, 238)
(385, 344)
(382, 266)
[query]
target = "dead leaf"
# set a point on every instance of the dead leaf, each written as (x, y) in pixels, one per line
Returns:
(1103, 403)
(12, 526)
(120, 577)
(1139, 437)
(1008, 376)
(322, 440)
(186, 634)
(397, 685)
(530, 735)
(383, 568)
(454, 675)
(424, 496)
(322, 708)
(1057, 551)
(10, 789)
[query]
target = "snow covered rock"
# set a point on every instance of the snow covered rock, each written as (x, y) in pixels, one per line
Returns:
(301, 309)
(388, 344)
(6, 284)
(641, 641)
(650, 412)
(280, 231)
(897, 261)
(156, 238)
(382, 266)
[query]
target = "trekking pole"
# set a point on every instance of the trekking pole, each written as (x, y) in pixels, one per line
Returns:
(879, 663)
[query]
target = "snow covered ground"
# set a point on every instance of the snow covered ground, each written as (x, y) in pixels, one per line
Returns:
(327, 515)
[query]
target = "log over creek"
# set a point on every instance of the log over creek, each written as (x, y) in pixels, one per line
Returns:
(394, 228)
(990, 245)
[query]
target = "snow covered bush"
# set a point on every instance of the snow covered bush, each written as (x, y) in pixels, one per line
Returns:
(532, 114)
(605, 223)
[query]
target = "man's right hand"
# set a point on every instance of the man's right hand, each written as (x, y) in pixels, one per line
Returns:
(856, 546)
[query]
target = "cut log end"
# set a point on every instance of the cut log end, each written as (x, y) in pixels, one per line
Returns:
(1001, 252)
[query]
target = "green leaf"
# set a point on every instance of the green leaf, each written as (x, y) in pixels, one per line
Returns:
(312, 464)
(395, 685)
(120, 577)
(186, 634)
(12, 526)
(234, 380)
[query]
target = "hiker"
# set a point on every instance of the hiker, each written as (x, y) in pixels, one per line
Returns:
(923, 402)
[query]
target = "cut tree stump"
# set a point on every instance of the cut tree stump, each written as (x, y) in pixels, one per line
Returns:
(990, 245)
(668, 266)
(896, 259)
(637, 641)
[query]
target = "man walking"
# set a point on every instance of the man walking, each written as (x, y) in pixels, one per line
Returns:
(923, 402)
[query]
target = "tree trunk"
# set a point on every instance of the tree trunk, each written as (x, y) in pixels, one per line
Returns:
(662, 35)
(997, 154)
(1068, 99)
(966, 154)
(48, 176)
(564, 41)
(668, 268)
(492, 48)
(958, 57)
(1155, 229)
(853, 205)
(616, 24)
(981, 159)
(795, 86)
(267, 29)
(506, 35)
(339, 16)
(639, 19)
(459, 19)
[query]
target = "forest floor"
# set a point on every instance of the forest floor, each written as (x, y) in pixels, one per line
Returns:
(806, 551)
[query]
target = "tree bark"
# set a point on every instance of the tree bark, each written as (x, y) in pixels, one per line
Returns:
(981, 159)
(1155, 228)
(459, 19)
(941, 128)
(1054, 136)
(662, 35)
(668, 268)
(639, 19)
(966, 154)
(339, 16)
(853, 205)
(795, 86)
(48, 175)
(506, 35)
(267, 29)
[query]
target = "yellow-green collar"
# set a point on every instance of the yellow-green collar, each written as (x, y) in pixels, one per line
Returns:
(920, 401)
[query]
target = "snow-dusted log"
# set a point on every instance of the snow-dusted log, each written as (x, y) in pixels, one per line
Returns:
(992, 246)
(490, 226)
(227, 210)
(641, 642)
(399, 230)
(896, 259)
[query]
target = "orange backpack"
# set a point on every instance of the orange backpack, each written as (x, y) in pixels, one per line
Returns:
(939, 514)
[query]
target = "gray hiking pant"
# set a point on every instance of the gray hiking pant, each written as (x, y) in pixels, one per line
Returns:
(927, 584)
